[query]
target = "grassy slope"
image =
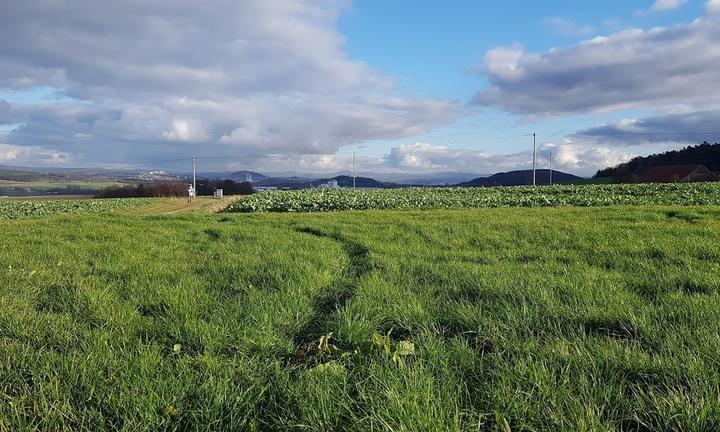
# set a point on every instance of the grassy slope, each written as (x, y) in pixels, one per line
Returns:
(544, 319)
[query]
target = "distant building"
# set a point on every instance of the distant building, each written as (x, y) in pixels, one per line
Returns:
(156, 176)
(332, 184)
(674, 174)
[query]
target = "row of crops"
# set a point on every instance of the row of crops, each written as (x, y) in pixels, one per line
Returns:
(12, 209)
(323, 200)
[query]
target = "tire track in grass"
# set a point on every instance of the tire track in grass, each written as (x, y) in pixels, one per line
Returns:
(306, 340)
(331, 301)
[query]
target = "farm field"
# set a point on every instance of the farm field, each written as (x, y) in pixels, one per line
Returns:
(15, 208)
(321, 200)
(46, 197)
(21, 208)
(93, 185)
(598, 318)
(48, 188)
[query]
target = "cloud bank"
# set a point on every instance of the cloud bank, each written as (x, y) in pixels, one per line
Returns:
(681, 127)
(667, 74)
(628, 69)
(144, 80)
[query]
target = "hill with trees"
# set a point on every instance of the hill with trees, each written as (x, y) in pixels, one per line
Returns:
(343, 181)
(523, 177)
(704, 154)
(175, 189)
(361, 182)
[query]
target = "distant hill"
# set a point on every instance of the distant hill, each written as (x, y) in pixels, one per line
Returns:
(285, 182)
(344, 181)
(54, 174)
(404, 178)
(704, 154)
(523, 177)
(244, 175)
(430, 179)
(17, 175)
(361, 182)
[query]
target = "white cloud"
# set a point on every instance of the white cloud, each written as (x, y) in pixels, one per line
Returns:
(712, 6)
(186, 130)
(580, 158)
(427, 157)
(9, 153)
(665, 5)
(502, 62)
(165, 78)
(569, 156)
(566, 27)
(24, 155)
(633, 68)
(323, 163)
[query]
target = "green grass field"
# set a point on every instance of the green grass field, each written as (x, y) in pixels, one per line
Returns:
(463, 320)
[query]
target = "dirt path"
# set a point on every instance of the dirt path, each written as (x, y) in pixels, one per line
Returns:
(165, 206)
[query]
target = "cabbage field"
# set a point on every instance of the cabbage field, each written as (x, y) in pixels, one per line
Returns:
(323, 200)
(12, 209)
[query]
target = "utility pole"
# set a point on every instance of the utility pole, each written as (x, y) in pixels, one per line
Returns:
(551, 158)
(353, 170)
(534, 154)
(193, 166)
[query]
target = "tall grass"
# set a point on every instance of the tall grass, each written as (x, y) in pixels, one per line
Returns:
(528, 319)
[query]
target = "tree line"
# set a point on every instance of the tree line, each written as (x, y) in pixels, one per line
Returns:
(175, 189)
(705, 154)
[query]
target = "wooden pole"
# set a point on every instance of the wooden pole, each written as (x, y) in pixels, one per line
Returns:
(534, 157)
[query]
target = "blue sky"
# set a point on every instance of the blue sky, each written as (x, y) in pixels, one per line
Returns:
(436, 49)
(411, 86)
(432, 47)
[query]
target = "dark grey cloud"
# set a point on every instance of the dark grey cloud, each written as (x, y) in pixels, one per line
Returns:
(680, 127)
(169, 77)
(5, 112)
(628, 69)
